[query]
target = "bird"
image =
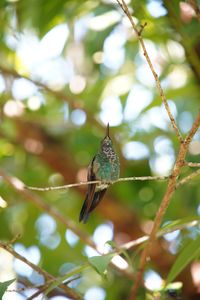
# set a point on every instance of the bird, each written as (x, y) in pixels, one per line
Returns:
(104, 167)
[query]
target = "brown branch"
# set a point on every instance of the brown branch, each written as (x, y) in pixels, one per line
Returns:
(196, 8)
(57, 94)
(184, 143)
(38, 202)
(164, 204)
(158, 84)
(68, 291)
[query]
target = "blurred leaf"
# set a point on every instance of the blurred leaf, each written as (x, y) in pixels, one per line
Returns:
(4, 285)
(100, 263)
(63, 278)
(190, 252)
(179, 224)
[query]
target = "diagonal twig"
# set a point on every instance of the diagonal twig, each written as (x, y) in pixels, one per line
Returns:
(68, 291)
(188, 178)
(192, 164)
(19, 186)
(37, 201)
(164, 204)
(125, 8)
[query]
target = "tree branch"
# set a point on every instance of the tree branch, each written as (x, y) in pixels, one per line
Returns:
(193, 165)
(19, 186)
(158, 84)
(188, 178)
(68, 291)
(64, 187)
(141, 240)
(184, 143)
(164, 204)
(37, 201)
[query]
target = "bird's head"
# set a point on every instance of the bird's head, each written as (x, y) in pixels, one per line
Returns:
(106, 142)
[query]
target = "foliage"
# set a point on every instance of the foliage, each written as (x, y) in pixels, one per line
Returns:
(66, 69)
(4, 285)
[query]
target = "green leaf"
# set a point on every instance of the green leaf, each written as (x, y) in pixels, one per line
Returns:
(61, 279)
(4, 285)
(100, 263)
(179, 224)
(190, 252)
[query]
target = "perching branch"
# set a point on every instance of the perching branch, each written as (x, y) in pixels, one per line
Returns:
(68, 291)
(158, 84)
(64, 187)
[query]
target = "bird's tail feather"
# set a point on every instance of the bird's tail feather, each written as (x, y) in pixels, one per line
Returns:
(84, 214)
(97, 198)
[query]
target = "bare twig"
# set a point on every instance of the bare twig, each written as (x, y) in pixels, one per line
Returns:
(15, 74)
(19, 186)
(158, 84)
(184, 143)
(188, 178)
(64, 187)
(44, 287)
(164, 204)
(141, 240)
(192, 164)
(69, 292)
(37, 201)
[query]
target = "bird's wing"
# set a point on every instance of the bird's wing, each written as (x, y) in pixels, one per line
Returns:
(84, 214)
(98, 196)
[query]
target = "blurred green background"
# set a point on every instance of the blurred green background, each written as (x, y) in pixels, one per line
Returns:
(66, 69)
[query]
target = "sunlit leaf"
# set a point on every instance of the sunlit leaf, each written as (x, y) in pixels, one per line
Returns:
(190, 252)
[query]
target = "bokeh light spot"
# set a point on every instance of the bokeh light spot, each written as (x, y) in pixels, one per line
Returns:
(96, 293)
(153, 281)
(13, 108)
(78, 117)
(135, 150)
(71, 237)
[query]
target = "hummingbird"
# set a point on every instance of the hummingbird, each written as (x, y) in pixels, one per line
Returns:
(104, 167)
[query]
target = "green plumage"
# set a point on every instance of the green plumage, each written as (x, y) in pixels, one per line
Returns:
(104, 167)
(107, 162)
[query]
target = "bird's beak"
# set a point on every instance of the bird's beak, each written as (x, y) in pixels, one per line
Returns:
(107, 130)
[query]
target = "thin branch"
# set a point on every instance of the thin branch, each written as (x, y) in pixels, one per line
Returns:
(161, 233)
(37, 201)
(164, 204)
(44, 287)
(196, 7)
(19, 186)
(188, 178)
(64, 187)
(69, 292)
(125, 8)
(58, 94)
(192, 164)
